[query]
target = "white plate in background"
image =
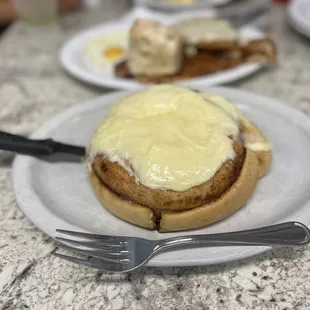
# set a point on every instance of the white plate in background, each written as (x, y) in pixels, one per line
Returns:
(170, 6)
(299, 16)
(55, 194)
(74, 61)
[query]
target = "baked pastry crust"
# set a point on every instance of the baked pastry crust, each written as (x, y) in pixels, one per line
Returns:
(120, 182)
(188, 212)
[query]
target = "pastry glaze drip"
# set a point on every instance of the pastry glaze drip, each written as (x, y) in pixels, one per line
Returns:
(252, 138)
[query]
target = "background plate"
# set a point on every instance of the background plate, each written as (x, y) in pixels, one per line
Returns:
(200, 4)
(74, 61)
(56, 194)
(299, 16)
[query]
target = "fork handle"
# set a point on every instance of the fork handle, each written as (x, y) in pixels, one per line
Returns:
(285, 234)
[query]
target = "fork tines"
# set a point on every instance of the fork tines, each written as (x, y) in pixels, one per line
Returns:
(106, 252)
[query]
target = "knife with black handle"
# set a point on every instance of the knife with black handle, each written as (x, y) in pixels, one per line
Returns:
(25, 146)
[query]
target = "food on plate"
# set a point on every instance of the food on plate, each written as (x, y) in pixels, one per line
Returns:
(154, 49)
(103, 52)
(260, 51)
(207, 62)
(170, 158)
(200, 47)
(208, 33)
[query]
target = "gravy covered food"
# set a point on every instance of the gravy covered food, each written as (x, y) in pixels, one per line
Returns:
(159, 53)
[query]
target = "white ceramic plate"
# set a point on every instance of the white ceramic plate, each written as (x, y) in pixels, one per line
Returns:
(73, 59)
(299, 16)
(55, 194)
(170, 6)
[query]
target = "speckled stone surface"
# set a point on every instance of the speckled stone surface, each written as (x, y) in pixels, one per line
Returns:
(33, 87)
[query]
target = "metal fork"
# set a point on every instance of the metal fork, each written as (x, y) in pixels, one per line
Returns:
(123, 254)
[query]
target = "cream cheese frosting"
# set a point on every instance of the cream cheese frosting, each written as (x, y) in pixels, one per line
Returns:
(167, 137)
(253, 138)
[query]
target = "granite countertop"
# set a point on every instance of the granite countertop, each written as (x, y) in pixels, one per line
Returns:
(33, 87)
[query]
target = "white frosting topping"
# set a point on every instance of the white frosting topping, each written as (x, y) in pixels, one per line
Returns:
(168, 137)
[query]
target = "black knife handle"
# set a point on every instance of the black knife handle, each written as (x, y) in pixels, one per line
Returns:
(23, 145)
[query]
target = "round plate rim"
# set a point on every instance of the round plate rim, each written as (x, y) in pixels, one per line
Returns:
(180, 7)
(21, 163)
(296, 22)
(70, 65)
